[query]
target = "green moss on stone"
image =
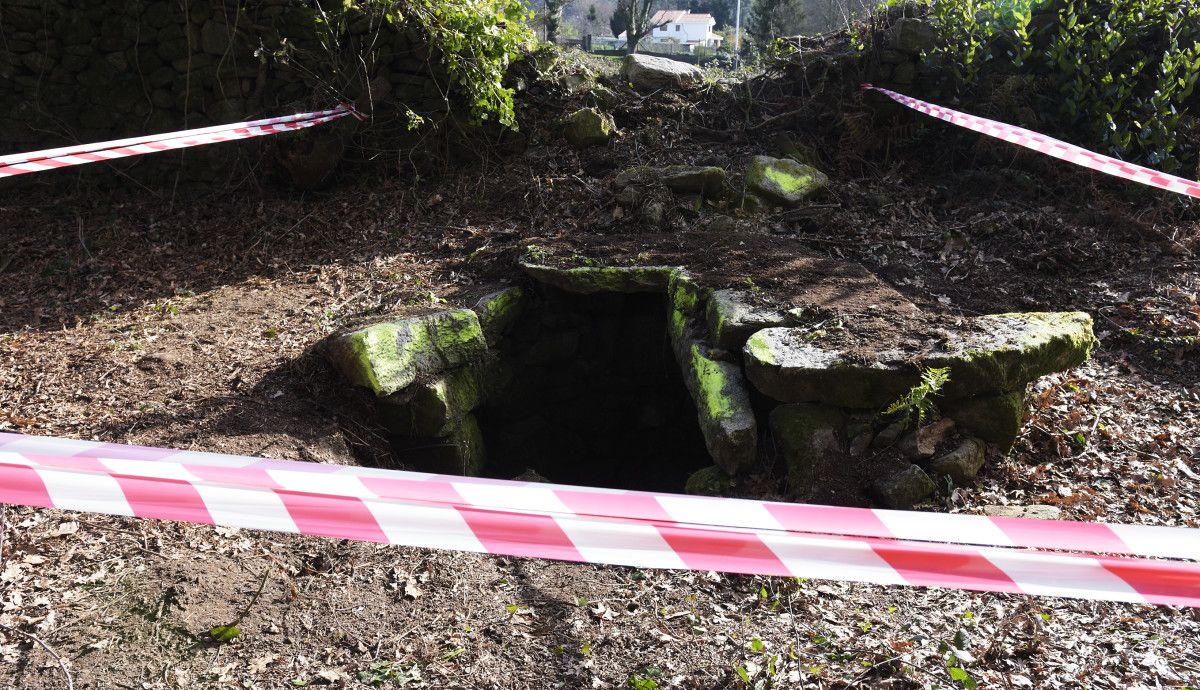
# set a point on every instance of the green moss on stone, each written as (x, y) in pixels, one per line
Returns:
(388, 357)
(806, 435)
(712, 382)
(996, 419)
(783, 180)
(498, 311)
(590, 280)
(707, 481)
(432, 408)
(758, 348)
(588, 127)
(1003, 352)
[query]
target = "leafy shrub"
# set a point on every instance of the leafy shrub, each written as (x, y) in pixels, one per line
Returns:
(476, 40)
(1120, 74)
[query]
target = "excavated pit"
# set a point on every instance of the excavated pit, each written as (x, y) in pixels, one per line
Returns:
(596, 396)
(656, 371)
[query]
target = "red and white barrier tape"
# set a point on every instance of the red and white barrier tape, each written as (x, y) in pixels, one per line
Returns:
(591, 525)
(1049, 145)
(50, 159)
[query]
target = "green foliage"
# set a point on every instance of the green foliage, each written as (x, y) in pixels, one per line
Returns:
(380, 672)
(915, 405)
(476, 39)
(1126, 70)
(1123, 73)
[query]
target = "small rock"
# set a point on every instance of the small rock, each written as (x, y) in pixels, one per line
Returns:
(890, 434)
(784, 180)
(903, 489)
(649, 73)
(994, 418)
(708, 481)
(531, 475)
(924, 442)
(588, 127)
(960, 464)
(653, 213)
(690, 179)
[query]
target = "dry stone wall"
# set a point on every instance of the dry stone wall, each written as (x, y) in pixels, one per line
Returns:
(87, 70)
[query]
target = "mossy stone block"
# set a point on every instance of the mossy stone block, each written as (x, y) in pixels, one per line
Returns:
(388, 357)
(996, 419)
(588, 127)
(590, 280)
(432, 408)
(785, 366)
(707, 481)
(904, 488)
(727, 420)
(805, 435)
(733, 316)
(960, 464)
(784, 181)
(498, 311)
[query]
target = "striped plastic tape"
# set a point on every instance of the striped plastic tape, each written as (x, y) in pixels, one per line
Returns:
(1048, 145)
(632, 528)
(67, 156)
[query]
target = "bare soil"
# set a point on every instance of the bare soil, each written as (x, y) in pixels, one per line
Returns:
(189, 320)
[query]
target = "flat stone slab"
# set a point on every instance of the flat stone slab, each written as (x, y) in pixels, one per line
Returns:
(733, 316)
(388, 357)
(987, 354)
(590, 280)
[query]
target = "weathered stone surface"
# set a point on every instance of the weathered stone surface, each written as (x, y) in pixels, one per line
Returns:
(890, 434)
(589, 280)
(692, 179)
(707, 481)
(649, 73)
(387, 357)
(903, 489)
(432, 408)
(1003, 352)
(786, 366)
(707, 181)
(783, 180)
(960, 464)
(923, 443)
(498, 311)
(717, 387)
(988, 354)
(733, 316)
(805, 435)
(994, 418)
(1036, 512)
(912, 36)
(588, 127)
(723, 407)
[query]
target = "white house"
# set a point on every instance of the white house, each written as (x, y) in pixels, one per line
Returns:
(679, 31)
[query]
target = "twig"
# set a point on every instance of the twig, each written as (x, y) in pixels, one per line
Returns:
(49, 650)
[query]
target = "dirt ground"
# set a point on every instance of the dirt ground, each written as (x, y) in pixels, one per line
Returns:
(188, 320)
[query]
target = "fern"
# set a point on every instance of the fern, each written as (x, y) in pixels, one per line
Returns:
(916, 402)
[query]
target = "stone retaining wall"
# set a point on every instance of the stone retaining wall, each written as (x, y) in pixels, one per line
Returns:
(87, 70)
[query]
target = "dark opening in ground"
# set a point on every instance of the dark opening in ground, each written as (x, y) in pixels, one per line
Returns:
(596, 396)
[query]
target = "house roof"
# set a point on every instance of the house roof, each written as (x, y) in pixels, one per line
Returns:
(680, 17)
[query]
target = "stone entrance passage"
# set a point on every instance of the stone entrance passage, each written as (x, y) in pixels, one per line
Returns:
(669, 378)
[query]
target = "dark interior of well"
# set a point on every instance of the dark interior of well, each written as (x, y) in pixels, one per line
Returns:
(596, 396)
